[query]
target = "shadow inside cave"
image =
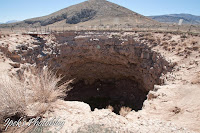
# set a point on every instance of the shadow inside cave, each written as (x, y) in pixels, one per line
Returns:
(117, 93)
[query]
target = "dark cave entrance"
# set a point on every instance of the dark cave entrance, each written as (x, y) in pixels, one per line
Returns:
(117, 93)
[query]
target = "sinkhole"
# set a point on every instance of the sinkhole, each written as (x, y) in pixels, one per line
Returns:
(108, 70)
(101, 84)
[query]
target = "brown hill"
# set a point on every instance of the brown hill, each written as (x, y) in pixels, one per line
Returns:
(91, 12)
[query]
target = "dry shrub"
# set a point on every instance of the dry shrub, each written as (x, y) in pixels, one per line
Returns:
(141, 35)
(184, 44)
(196, 48)
(34, 89)
(194, 42)
(176, 110)
(164, 39)
(169, 37)
(165, 47)
(148, 34)
(12, 97)
(150, 38)
(124, 111)
(182, 40)
(43, 85)
(158, 40)
(183, 36)
(165, 43)
(110, 107)
(174, 44)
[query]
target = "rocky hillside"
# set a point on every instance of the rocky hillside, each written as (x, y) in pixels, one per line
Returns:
(91, 11)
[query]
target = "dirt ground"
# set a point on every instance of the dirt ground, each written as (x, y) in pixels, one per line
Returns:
(176, 101)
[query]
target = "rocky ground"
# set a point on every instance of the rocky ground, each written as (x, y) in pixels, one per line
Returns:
(173, 102)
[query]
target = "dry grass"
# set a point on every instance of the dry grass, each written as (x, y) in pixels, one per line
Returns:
(12, 97)
(194, 42)
(183, 36)
(151, 39)
(110, 108)
(165, 47)
(43, 85)
(34, 89)
(165, 43)
(158, 40)
(124, 111)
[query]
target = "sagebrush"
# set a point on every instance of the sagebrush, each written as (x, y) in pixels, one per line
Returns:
(35, 87)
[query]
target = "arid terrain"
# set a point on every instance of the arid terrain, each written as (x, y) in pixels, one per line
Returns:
(123, 67)
(100, 68)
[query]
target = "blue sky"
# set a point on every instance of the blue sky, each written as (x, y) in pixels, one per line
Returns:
(24, 9)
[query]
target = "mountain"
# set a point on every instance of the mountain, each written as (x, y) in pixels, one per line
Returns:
(9, 22)
(174, 18)
(91, 12)
(12, 21)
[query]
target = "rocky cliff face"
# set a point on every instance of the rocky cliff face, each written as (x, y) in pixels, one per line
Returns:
(91, 56)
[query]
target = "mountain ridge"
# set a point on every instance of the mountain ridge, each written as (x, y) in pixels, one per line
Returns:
(174, 18)
(10, 21)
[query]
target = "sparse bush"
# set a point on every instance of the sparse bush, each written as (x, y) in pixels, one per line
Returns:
(165, 43)
(176, 110)
(110, 108)
(124, 111)
(169, 37)
(34, 87)
(44, 85)
(179, 49)
(148, 34)
(194, 42)
(187, 51)
(174, 44)
(195, 48)
(164, 39)
(184, 44)
(182, 40)
(169, 49)
(12, 97)
(151, 38)
(183, 36)
(158, 40)
(141, 35)
(165, 35)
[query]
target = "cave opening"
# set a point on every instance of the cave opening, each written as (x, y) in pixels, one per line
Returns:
(116, 93)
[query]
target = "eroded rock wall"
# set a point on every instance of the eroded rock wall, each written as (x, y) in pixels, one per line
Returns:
(92, 56)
